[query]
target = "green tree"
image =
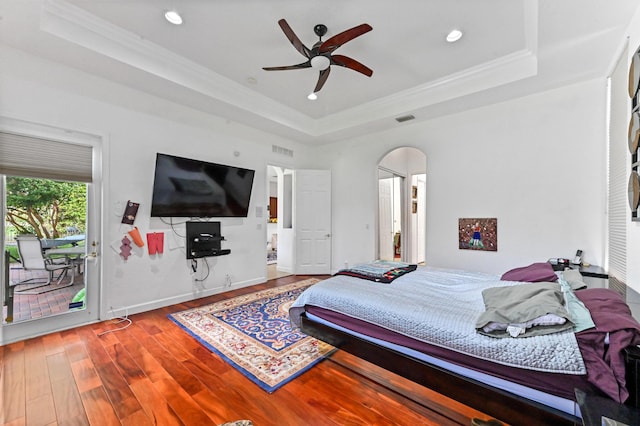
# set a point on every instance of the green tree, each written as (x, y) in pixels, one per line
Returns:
(44, 207)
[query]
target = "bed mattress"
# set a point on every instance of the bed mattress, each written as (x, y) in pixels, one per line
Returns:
(561, 385)
(436, 299)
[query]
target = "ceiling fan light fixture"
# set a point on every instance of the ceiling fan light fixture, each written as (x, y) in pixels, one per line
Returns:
(454, 36)
(173, 17)
(312, 96)
(320, 62)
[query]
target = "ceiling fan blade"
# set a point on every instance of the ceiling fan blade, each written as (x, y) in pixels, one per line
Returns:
(347, 62)
(324, 74)
(338, 40)
(289, 67)
(293, 38)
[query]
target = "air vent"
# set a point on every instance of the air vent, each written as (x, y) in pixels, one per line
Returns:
(405, 118)
(280, 150)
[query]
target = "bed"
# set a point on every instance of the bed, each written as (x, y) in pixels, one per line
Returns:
(422, 323)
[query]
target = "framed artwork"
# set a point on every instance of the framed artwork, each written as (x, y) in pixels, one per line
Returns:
(130, 212)
(478, 234)
(634, 137)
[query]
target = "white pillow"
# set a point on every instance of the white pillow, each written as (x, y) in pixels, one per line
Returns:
(548, 319)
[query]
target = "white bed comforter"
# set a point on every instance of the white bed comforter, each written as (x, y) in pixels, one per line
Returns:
(440, 307)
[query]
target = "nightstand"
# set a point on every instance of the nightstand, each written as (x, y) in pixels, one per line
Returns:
(594, 408)
(594, 276)
(591, 271)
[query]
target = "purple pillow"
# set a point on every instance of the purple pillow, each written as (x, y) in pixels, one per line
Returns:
(536, 272)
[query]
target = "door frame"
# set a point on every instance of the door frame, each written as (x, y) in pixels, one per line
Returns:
(93, 270)
(405, 162)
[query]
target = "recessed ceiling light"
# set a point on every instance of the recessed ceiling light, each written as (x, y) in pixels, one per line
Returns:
(312, 96)
(173, 17)
(454, 36)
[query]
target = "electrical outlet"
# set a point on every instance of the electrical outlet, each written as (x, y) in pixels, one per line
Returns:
(228, 280)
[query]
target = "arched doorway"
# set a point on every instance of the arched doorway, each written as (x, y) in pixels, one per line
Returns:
(402, 205)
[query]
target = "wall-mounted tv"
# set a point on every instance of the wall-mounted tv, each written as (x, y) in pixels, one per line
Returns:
(184, 187)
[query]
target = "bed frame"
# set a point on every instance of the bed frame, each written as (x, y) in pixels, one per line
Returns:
(487, 399)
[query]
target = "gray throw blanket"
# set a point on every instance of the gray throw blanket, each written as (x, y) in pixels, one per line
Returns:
(522, 304)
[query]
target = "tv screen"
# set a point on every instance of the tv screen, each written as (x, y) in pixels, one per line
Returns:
(184, 187)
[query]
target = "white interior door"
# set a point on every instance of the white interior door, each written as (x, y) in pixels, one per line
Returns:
(312, 221)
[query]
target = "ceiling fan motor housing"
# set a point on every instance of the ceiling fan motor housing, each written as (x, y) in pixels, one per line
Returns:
(320, 30)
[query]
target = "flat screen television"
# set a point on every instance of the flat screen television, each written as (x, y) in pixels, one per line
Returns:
(184, 187)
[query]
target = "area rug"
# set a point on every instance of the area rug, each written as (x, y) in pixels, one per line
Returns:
(253, 333)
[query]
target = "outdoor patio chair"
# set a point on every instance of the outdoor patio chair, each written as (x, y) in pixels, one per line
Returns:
(32, 258)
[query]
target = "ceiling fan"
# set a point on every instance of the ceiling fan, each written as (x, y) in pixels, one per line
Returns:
(321, 56)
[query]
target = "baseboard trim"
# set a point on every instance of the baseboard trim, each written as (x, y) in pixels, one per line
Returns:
(168, 301)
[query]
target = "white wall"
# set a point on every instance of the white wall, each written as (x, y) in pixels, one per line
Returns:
(536, 163)
(43, 92)
(633, 228)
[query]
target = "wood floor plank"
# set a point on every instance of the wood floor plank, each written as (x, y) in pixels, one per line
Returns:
(53, 343)
(182, 404)
(85, 375)
(175, 369)
(118, 391)
(36, 370)
(154, 404)
(205, 357)
(58, 366)
(139, 418)
(41, 411)
(17, 422)
(143, 358)
(80, 420)
(410, 390)
(74, 346)
(67, 401)
(217, 409)
(13, 384)
(127, 366)
(99, 409)
(93, 346)
(167, 340)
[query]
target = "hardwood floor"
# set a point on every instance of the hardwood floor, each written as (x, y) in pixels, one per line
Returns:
(154, 373)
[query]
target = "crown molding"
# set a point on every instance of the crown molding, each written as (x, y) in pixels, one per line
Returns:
(77, 26)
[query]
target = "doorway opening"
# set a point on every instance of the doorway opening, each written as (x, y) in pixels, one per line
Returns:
(44, 234)
(401, 229)
(278, 223)
(50, 205)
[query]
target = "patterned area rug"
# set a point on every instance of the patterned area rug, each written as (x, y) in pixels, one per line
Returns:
(253, 333)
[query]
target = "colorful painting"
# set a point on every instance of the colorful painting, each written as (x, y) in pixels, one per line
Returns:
(478, 234)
